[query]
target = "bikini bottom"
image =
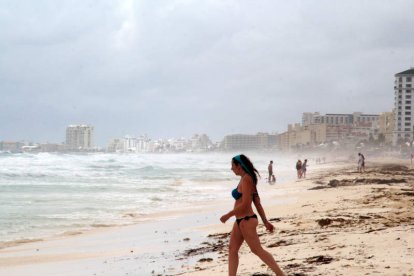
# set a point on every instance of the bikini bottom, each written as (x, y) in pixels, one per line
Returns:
(245, 218)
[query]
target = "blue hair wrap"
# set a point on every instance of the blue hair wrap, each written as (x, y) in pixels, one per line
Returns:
(238, 159)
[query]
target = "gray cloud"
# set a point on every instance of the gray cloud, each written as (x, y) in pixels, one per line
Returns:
(178, 67)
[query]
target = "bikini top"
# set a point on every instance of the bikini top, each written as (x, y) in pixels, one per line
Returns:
(237, 195)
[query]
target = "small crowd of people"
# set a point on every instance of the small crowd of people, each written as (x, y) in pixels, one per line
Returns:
(301, 168)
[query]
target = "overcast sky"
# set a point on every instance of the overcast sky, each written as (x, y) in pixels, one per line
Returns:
(177, 67)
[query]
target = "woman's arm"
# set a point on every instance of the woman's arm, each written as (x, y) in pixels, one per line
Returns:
(260, 210)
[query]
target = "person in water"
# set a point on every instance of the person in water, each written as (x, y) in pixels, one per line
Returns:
(244, 228)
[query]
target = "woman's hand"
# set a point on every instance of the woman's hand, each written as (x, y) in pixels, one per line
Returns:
(269, 226)
(224, 218)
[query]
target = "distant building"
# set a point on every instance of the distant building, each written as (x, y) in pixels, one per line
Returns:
(143, 143)
(386, 126)
(340, 129)
(130, 144)
(44, 147)
(115, 145)
(200, 142)
(403, 106)
(10, 146)
(249, 142)
(79, 137)
(299, 136)
(338, 119)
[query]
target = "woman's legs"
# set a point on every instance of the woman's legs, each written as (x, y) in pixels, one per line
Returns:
(248, 230)
(236, 240)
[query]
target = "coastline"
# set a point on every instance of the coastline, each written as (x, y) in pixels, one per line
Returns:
(318, 227)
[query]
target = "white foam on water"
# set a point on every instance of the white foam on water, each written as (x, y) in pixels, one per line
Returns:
(45, 194)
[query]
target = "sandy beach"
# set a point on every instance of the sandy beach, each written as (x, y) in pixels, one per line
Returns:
(335, 222)
(346, 223)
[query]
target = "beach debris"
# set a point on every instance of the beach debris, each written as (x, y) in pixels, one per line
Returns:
(321, 238)
(406, 193)
(336, 222)
(394, 168)
(219, 235)
(319, 188)
(334, 183)
(320, 259)
(280, 243)
(196, 251)
(297, 269)
(324, 222)
(198, 268)
(203, 260)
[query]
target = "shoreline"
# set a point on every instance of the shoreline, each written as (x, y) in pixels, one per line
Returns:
(193, 242)
(136, 219)
(106, 192)
(156, 241)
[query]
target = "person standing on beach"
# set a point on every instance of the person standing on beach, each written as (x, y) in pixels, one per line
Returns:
(361, 162)
(270, 170)
(304, 165)
(244, 228)
(299, 168)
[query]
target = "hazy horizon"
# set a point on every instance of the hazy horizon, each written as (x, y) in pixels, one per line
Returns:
(177, 68)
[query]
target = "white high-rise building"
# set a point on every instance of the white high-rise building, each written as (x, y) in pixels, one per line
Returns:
(79, 137)
(404, 108)
(130, 144)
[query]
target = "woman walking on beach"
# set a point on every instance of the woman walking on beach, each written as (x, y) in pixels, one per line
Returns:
(244, 228)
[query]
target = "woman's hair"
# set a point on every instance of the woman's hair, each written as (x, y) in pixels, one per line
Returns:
(247, 166)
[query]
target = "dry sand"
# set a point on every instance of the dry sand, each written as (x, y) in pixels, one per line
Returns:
(346, 223)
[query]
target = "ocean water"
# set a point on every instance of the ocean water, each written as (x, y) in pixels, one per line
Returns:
(43, 195)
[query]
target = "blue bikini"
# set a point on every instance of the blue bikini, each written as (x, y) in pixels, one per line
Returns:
(237, 195)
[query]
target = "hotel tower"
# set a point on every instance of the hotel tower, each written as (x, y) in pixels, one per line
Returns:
(404, 107)
(79, 137)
